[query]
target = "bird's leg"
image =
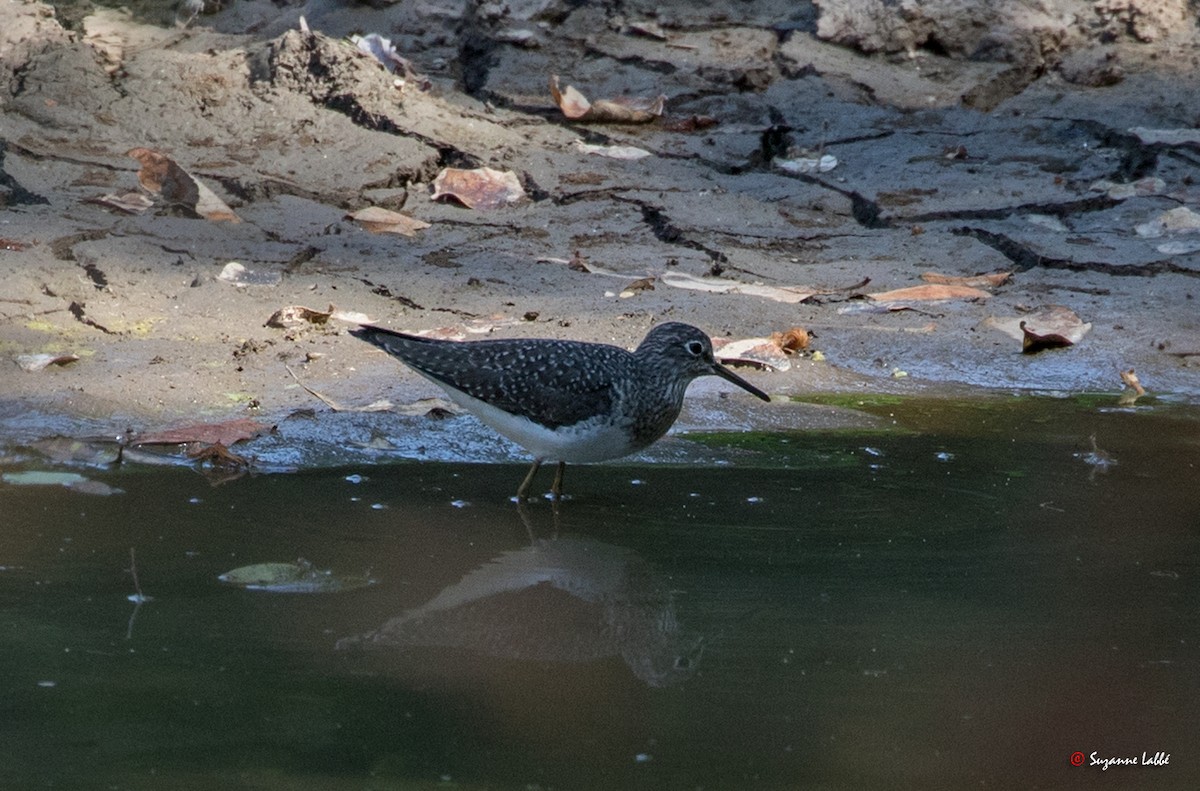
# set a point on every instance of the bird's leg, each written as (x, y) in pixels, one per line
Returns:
(523, 489)
(556, 489)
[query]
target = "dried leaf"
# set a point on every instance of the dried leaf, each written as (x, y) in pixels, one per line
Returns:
(929, 293)
(218, 455)
(763, 352)
(814, 163)
(1051, 327)
(794, 340)
(226, 433)
(128, 202)
(160, 175)
(1046, 320)
(37, 362)
(379, 220)
(648, 29)
(973, 281)
(481, 188)
(575, 105)
(238, 275)
(298, 316)
(613, 152)
(692, 123)
(1178, 220)
(789, 295)
(637, 287)
(1131, 381)
(1151, 185)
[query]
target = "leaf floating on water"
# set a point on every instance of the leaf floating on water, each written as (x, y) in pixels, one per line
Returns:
(298, 577)
(38, 362)
(379, 220)
(623, 110)
(73, 481)
(481, 188)
(161, 175)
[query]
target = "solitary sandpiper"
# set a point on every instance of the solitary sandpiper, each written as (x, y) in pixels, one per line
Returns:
(565, 401)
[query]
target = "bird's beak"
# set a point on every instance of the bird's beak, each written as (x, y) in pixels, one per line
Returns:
(730, 376)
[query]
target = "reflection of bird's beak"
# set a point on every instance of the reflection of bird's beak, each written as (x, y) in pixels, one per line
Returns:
(730, 376)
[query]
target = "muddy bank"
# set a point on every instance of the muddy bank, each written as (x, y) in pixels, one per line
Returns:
(964, 139)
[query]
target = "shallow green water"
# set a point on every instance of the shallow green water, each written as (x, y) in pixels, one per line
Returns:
(963, 601)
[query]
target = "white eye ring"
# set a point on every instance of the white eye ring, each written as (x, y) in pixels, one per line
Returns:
(695, 348)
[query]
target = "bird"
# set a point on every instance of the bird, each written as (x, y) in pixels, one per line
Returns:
(565, 400)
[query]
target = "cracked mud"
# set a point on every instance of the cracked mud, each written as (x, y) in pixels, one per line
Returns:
(957, 151)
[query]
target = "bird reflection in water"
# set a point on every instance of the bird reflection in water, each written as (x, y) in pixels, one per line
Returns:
(563, 599)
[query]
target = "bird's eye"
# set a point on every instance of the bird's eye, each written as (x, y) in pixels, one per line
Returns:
(695, 348)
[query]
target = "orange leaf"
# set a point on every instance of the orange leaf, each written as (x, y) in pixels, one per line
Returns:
(990, 279)
(929, 293)
(225, 433)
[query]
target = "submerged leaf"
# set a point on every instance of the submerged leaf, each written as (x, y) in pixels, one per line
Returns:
(298, 577)
(73, 481)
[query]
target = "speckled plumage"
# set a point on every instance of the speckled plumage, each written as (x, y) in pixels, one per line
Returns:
(567, 401)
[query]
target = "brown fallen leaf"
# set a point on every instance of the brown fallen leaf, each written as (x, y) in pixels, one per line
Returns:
(929, 293)
(481, 188)
(379, 220)
(226, 433)
(623, 110)
(637, 287)
(762, 352)
(37, 362)
(1051, 327)
(794, 340)
(692, 123)
(160, 175)
(128, 202)
(1131, 381)
(218, 455)
(973, 281)
(298, 316)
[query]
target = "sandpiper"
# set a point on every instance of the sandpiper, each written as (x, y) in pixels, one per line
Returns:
(565, 401)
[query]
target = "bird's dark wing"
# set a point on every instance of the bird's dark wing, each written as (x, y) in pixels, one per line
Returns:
(555, 383)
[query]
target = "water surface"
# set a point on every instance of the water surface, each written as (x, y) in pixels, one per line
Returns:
(963, 600)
